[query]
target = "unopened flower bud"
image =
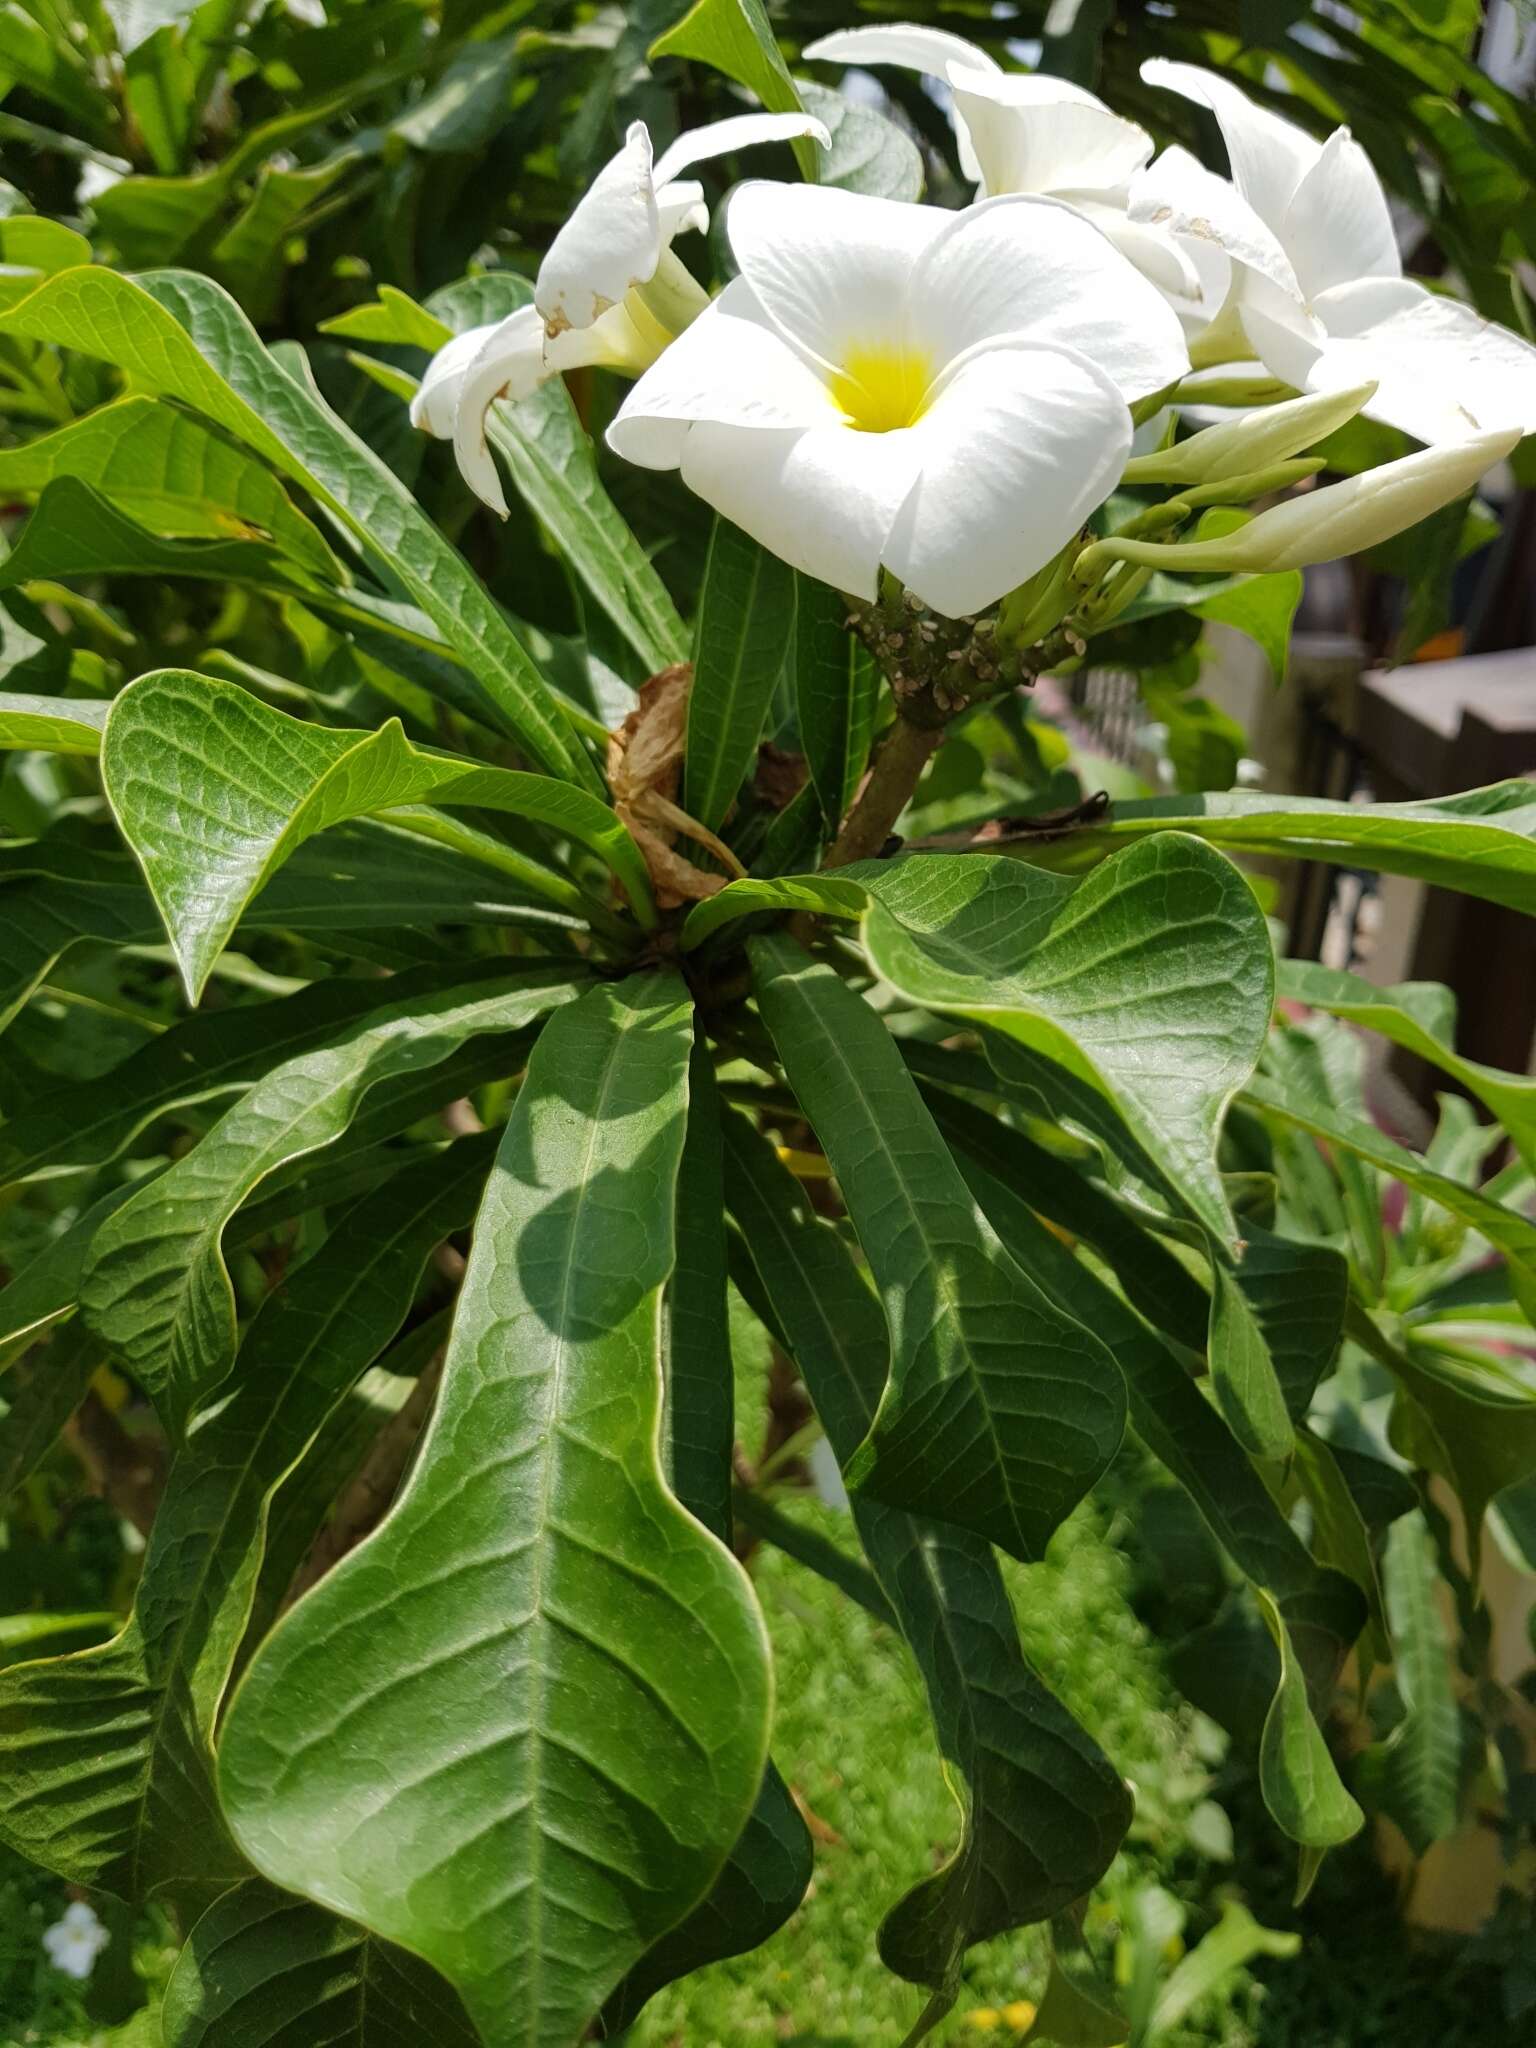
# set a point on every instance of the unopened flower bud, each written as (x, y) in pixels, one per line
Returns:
(1254, 442)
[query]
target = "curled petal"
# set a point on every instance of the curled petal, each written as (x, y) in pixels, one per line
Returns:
(1038, 134)
(611, 241)
(508, 364)
(1441, 369)
(681, 209)
(437, 396)
(731, 368)
(740, 131)
(1035, 269)
(1021, 444)
(1213, 219)
(1269, 156)
(1337, 227)
(930, 50)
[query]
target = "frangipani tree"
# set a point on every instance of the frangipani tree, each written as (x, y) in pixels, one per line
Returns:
(669, 1004)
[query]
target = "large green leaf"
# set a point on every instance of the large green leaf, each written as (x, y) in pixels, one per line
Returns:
(836, 688)
(1421, 1017)
(1149, 983)
(867, 152)
(173, 475)
(155, 1288)
(575, 1670)
(746, 619)
(263, 1970)
(54, 725)
(735, 37)
(1000, 1411)
(1041, 1809)
(110, 1751)
(213, 790)
(184, 337)
(550, 456)
(1482, 842)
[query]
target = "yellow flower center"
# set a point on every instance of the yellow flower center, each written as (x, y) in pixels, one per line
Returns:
(882, 388)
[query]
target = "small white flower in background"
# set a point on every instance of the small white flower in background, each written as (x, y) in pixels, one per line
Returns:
(944, 393)
(75, 1941)
(1314, 282)
(609, 291)
(1021, 131)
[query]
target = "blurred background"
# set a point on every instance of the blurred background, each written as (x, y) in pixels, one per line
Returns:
(307, 153)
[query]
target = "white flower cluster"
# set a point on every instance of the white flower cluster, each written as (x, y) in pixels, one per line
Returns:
(948, 394)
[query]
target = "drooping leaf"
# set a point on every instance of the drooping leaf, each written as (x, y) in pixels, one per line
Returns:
(111, 1750)
(173, 475)
(1482, 842)
(184, 337)
(1262, 607)
(1000, 1412)
(868, 152)
(836, 689)
(1243, 1376)
(746, 620)
(735, 37)
(155, 1288)
(213, 790)
(37, 1398)
(1302, 1787)
(576, 1669)
(1041, 1810)
(264, 1970)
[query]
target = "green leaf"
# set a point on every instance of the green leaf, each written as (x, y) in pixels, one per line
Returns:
(817, 1552)
(155, 1288)
(47, 1291)
(174, 476)
(746, 617)
(262, 1969)
(1302, 1787)
(554, 467)
(1506, 1229)
(463, 108)
(184, 337)
(1482, 842)
(37, 1398)
(868, 153)
(1041, 1809)
(1000, 1412)
(213, 791)
(54, 725)
(1243, 1376)
(575, 1669)
(1263, 607)
(837, 687)
(111, 1748)
(1420, 1016)
(735, 37)
(52, 67)
(1235, 1939)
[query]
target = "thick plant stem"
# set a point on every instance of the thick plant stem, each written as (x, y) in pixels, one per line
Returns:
(904, 755)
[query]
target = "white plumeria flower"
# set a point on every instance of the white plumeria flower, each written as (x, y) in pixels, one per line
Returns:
(1022, 131)
(75, 1941)
(944, 393)
(1315, 284)
(609, 291)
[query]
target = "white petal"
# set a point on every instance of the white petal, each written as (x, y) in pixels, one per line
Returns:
(1157, 254)
(698, 145)
(1038, 134)
(508, 364)
(611, 241)
(730, 367)
(437, 396)
(830, 268)
(1337, 227)
(680, 208)
(1018, 449)
(1441, 369)
(1269, 156)
(1035, 270)
(1181, 195)
(822, 500)
(914, 48)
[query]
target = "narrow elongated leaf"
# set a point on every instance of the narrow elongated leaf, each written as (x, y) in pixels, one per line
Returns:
(836, 689)
(264, 1970)
(1041, 1810)
(1000, 1411)
(1482, 842)
(1243, 1375)
(1421, 1017)
(156, 1288)
(184, 337)
(88, 1123)
(213, 790)
(111, 1749)
(575, 1668)
(54, 725)
(735, 37)
(1506, 1229)
(746, 620)
(37, 1398)
(174, 476)
(550, 456)
(47, 1291)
